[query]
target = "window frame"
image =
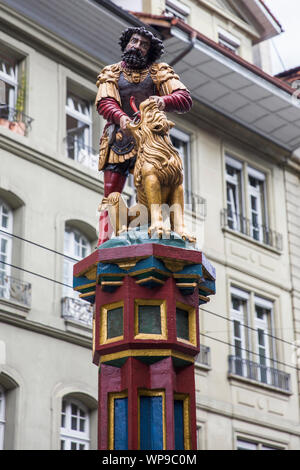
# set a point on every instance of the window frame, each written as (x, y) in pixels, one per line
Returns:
(244, 225)
(6, 235)
(84, 142)
(184, 151)
(2, 416)
(69, 435)
(12, 81)
(228, 40)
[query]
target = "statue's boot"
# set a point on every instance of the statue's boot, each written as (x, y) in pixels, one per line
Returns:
(113, 182)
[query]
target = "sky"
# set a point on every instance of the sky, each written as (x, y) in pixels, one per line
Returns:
(285, 47)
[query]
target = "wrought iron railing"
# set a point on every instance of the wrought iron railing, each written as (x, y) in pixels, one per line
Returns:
(78, 310)
(203, 358)
(260, 373)
(260, 233)
(14, 120)
(15, 290)
(78, 151)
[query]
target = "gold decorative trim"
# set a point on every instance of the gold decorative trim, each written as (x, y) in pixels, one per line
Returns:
(202, 297)
(163, 319)
(87, 294)
(103, 323)
(186, 418)
(192, 324)
(111, 283)
(111, 416)
(186, 284)
(85, 286)
(146, 353)
(174, 265)
(150, 278)
(134, 76)
(152, 393)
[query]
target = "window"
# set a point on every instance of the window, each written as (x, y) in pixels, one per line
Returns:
(181, 142)
(9, 75)
(250, 445)
(76, 247)
(79, 131)
(177, 9)
(234, 194)
(6, 227)
(229, 41)
(2, 417)
(150, 319)
(253, 340)
(12, 105)
(246, 199)
(74, 432)
(239, 317)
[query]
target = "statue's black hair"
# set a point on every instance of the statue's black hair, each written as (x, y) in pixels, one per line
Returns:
(156, 45)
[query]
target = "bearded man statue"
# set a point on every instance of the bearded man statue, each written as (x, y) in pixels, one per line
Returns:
(141, 76)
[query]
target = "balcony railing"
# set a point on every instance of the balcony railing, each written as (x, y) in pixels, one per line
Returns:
(260, 233)
(203, 358)
(78, 151)
(195, 203)
(14, 120)
(77, 310)
(15, 290)
(259, 373)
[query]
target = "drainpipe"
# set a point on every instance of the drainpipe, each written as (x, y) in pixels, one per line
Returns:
(186, 51)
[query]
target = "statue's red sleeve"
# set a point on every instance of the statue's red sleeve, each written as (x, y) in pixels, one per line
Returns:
(110, 110)
(179, 101)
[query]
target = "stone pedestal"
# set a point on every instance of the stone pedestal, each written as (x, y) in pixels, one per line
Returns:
(145, 339)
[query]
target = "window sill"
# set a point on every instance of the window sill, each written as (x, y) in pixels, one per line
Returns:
(78, 328)
(235, 233)
(203, 367)
(238, 378)
(14, 307)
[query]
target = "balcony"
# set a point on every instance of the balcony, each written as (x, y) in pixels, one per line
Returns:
(78, 151)
(194, 204)
(14, 120)
(14, 290)
(259, 233)
(259, 373)
(77, 310)
(203, 358)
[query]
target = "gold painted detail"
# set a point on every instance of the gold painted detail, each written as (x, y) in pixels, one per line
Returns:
(114, 157)
(85, 286)
(107, 83)
(174, 265)
(87, 294)
(134, 76)
(163, 319)
(186, 284)
(192, 324)
(103, 323)
(165, 79)
(202, 297)
(111, 416)
(146, 353)
(127, 264)
(186, 418)
(150, 278)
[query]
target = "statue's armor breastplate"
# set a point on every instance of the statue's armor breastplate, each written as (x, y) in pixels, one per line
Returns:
(123, 143)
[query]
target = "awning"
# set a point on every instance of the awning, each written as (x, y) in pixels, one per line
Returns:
(236, 89)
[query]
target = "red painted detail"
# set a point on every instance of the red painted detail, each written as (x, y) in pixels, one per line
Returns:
(135, 375)
(111, 255)
(130, 291)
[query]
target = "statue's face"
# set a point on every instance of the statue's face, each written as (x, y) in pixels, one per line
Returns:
(140, 43)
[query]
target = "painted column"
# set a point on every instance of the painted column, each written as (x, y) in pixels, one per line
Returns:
(145, 339)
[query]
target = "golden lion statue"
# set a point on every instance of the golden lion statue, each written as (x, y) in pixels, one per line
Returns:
(158, 178)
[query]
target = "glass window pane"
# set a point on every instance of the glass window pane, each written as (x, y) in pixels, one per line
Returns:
(73, 445)
(74, 423)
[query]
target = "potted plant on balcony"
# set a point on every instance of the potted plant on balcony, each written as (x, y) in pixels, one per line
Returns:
(18, 125)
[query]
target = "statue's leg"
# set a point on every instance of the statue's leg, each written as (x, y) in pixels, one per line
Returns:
(154, 200)
(113, 182)
(177, 214)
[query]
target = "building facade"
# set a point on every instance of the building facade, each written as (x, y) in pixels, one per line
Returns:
(239, 148)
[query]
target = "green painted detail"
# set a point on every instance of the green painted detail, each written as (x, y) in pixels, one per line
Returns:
(149, 319)
(182, 324)
(114, 322)
(139, 236)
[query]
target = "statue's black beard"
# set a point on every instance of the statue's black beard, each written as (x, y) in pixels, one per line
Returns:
(134, 59)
